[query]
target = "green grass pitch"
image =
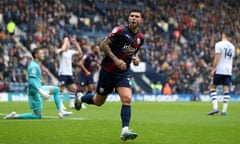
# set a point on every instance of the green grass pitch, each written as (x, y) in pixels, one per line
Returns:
(156, 123)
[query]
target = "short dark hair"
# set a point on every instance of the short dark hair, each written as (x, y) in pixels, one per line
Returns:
(35, 51)
(227, 33)
(136, 10)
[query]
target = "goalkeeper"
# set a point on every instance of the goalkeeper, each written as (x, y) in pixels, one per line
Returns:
(37, 92)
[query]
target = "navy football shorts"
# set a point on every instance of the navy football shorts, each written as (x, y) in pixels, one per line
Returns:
(85, 80)
(66, 79)
(222, 79)
(108, 81)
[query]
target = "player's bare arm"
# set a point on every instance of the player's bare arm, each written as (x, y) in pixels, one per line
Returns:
(64, 47)
(107, 50)
(135, 60)
(215, 63)
(81, 64)
(79, 49)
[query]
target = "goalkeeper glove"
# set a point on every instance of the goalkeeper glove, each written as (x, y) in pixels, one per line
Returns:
(44, 94)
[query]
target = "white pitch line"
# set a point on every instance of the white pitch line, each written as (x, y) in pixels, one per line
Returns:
(69, 118)
(53, 117)
(2, 114)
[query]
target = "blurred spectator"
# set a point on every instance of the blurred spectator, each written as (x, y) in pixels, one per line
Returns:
(157, 87)
(167, 90)
(11, 27)
(179, 42)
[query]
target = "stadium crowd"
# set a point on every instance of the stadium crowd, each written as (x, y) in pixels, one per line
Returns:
(179, 36)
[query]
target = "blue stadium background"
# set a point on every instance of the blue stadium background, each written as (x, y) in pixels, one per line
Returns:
(178, 49)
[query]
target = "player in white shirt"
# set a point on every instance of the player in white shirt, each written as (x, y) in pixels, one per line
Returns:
(222, 71)
(65, 71)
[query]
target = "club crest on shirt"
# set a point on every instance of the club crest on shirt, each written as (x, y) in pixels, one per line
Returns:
(34, 71)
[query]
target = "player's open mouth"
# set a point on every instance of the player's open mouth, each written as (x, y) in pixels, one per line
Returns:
(132, 23)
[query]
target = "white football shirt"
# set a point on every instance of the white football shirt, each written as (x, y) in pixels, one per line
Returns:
(227, 51)
(65, 62)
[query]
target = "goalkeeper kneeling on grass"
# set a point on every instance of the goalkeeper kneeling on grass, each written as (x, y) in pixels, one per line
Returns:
(37, 92)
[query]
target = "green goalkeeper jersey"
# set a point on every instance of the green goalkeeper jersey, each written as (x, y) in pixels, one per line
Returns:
(34, 76)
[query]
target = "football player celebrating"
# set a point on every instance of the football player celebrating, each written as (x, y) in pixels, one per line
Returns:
(120, 48)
